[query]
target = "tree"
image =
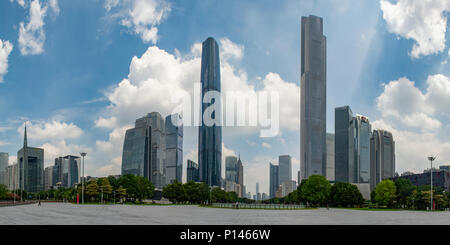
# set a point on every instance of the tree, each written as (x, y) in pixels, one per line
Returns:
(129, 182)
(404, 191)
(385, 193)
(218, 195)
(345, 195)
(105, 187)
(3, 192)
(175, 192)
(144, 188)
(92, 189)
(121, 193)
(315, 190)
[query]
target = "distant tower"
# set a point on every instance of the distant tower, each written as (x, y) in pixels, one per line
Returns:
(313, 98)
(343, 117)
(210, 137)
(31, 167)
(382, 157)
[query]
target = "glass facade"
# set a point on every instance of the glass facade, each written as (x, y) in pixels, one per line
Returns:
(231, 171)
(144, 149)
(382, 157)
(274, 181)
(330, 157)
(210, 137)
(285, 168)
(313, 98)
(192, 173)
(343, 116)
(4, 161)
(360, 132)
(174, 149)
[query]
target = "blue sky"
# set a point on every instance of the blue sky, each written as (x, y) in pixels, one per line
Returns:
(71, 80)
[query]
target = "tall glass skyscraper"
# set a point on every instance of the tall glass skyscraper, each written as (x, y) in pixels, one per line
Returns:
(231, 171)
(274, 181)
(4, 159)
(360, 132)
(313, 98)
(382, 157)
(342, 118)
(31, 167)
(210, 137)
(144, 149)
(192, 173)
(174, 149)
(285, 169)
(330, 157)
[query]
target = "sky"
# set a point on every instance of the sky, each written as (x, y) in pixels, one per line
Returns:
(81, 72)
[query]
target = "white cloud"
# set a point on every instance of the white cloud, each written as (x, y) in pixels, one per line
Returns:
(60, 148)
(413, 118)
(20, 2)
(52, 130)
(12, 160)
(266, 145)
(32, 34)
(5, 49)
(141, 16)
(423, 21)
(3, 143)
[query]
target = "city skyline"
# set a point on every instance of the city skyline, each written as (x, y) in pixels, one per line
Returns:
(266, 55)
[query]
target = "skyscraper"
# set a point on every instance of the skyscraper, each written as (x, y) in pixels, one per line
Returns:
(343, 116)
(174, 149)
(330, 157)
(240, 176)
(48, 178)
(360, 132)
(4, 159)
(382, 157)
(192, 173)
(210, 137)
(231, 171)
(313, 98)
(274, 181)
(31, 167)
(144, 149)
(285, 168)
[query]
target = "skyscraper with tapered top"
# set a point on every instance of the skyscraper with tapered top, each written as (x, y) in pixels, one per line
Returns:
(313, 98)
(210, 136)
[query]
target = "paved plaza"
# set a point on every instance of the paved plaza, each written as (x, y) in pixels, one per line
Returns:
(70, 214)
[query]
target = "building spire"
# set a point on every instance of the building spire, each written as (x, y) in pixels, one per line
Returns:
(25, 143)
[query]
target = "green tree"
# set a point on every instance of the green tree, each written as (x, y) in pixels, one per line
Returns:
(385, 193)
(3, 192)
(144, 188)
(121, 193)
(91, 189)
(218, 195)
(105, 187)
(129, 182)
(404, 191)
(175, 192)
(315, 190)
(345, 195)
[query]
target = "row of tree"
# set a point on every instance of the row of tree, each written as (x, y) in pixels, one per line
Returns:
(129, 188)
(401, 193)
(199, 193)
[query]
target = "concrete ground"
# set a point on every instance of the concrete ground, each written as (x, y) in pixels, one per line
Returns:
(70, 214)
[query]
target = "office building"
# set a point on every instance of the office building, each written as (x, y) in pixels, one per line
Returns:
(274, 181)
(441, 178)
(313, 98)
(285, 168)
(144, 149)
(240, 177)
(343, 117)
(257, 192)
(13, 177)
(192, 173)
(210, 137)
(360, 132)
(31, 167)
(4, 162)
(382, 157)
(231, 171)
(445, 167)
(330, 157)
(48, 178)
(288, 187)
(174, 149)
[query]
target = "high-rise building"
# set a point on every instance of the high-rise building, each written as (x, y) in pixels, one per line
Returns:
(210, 137)
(66, 171)
(31, 167)
(330, 157)
(288, 187)
(192, 173)
(257, 192)
(382, 157)
(240, 176)
(13, 177)
(174, 149)
(360, 132)
(48, 178)
(4, 162)
(285, 168)
(274, 181)
(343, 116)
(144, 149)
(313, 98)
(231, 171)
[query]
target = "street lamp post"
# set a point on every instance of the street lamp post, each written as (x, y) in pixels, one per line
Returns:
(431, 174)
(83, 154)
